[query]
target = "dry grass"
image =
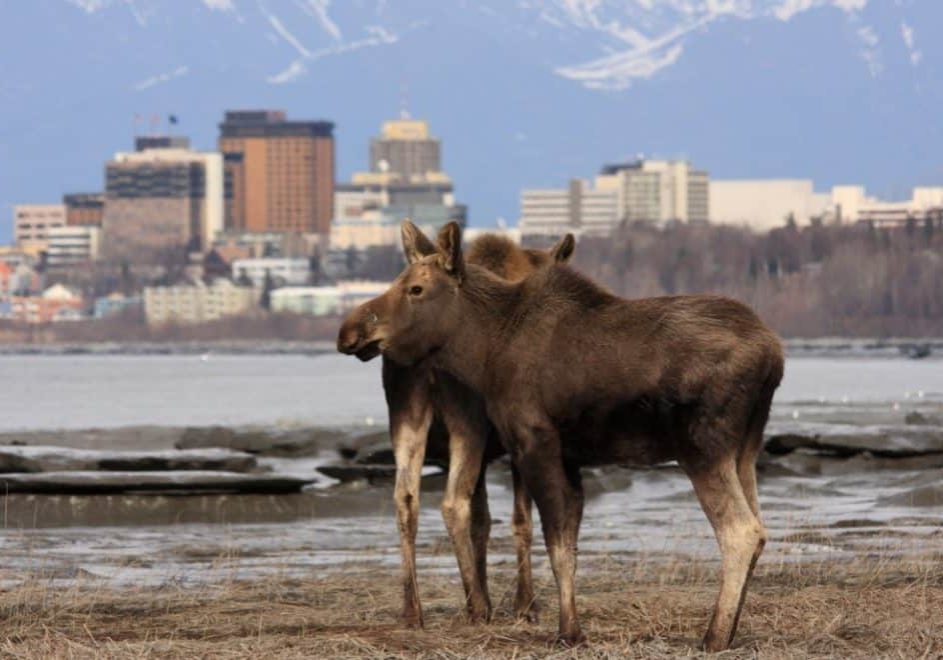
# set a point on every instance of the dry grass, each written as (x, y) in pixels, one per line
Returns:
(869, 608)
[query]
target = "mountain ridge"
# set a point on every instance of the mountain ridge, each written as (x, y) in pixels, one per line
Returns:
(523, 94)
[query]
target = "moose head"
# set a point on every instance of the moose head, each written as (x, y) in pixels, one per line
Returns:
(419, 312)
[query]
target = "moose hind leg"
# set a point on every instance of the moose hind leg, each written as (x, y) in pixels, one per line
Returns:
(558, 492)
(741, 537)
(522, 523)
(746, 472)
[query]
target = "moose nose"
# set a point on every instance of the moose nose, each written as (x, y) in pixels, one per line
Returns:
(348, 339)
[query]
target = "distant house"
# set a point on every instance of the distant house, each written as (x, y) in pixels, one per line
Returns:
(57, 303)
(17, 277)
(6, 279)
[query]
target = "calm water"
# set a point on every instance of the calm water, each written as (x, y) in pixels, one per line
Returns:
(193, 540)
(75, 392)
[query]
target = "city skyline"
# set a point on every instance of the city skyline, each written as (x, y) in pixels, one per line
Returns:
(533, 117)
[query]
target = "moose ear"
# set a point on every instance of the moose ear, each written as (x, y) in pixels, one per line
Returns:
(415, 244)
(563, 250)
(450, 247)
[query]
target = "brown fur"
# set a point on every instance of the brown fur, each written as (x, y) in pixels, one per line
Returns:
(572, 375)
(434, 415)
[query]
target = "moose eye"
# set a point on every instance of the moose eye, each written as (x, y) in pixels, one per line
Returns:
(415, 290)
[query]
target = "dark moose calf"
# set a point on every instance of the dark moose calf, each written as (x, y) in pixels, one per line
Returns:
(572, 375)
(433, 414)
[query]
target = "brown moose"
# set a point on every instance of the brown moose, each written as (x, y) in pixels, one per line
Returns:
(572, 375)
(437, 416)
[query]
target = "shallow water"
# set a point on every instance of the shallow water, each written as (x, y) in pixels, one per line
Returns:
(196, 539)
(85, 391)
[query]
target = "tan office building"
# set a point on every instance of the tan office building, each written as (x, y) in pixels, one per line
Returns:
(279, 174)
(31, 225)
(406, 148)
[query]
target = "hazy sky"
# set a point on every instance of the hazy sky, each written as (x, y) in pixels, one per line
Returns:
(523, 94)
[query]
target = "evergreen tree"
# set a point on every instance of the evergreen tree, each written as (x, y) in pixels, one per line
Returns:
(265, 301)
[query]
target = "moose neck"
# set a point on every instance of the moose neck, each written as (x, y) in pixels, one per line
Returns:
(484, 306)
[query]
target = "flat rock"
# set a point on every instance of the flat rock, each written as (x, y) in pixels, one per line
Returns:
(916, 418)
(125, 437)
(372, 473)
(101, 483)
(378, 474)
(845, 440)
(922, 496)
(296, 442)
(59, 459)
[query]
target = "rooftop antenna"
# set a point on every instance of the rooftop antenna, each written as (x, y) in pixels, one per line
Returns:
(136, 126)
(404, 101)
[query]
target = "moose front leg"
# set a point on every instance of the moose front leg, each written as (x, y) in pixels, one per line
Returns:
(466, 450)
(481, 532)
(409, 447)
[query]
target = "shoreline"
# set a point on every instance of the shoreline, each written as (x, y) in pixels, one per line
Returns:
(795, 347)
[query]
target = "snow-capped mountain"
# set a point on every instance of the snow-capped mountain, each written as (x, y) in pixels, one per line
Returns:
(523, 93)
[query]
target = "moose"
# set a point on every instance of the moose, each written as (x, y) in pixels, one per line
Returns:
(572, 375)
(434, 415)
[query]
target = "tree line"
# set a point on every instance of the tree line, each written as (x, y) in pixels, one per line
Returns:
(819, 280)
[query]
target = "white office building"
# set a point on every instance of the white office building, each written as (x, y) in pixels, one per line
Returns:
(72, 244)
(765, 204)
(550, 213)
(658, 191)
(655, 191)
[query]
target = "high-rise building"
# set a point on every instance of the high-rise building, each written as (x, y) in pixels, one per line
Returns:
(405, 181)
(32, 222)
(279, 174)
(84, 209)
(549, 213)
(655, 191)
(160, 200)
(658, 191)
(405, 148)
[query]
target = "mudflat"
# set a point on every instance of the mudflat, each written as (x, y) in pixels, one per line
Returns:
(656, 607)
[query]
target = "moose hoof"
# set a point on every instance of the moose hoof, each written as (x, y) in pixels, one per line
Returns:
(571, 639)
(412, 621)
(715, 643)
(479, 615)
(529, 612)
